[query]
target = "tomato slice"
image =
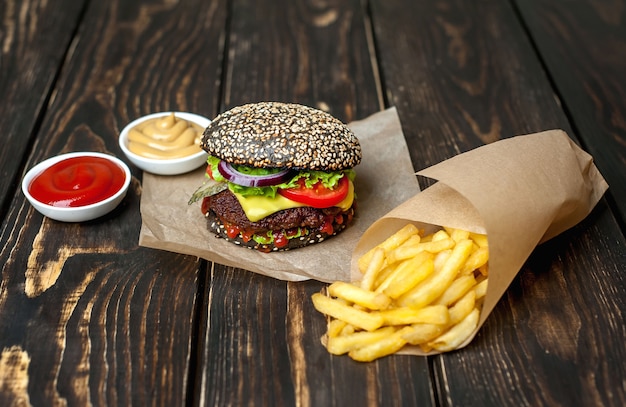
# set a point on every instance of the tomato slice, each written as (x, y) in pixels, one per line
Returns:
(319, 196)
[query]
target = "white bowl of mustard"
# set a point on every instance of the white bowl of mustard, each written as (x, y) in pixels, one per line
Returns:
(165, 143)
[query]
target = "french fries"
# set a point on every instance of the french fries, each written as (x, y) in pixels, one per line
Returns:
(365, 298)
(417, 290)
(353, 316)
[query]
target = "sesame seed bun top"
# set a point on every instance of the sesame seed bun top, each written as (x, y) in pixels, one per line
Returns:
(282, 135)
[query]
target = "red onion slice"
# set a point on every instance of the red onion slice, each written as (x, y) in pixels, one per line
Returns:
(247, 180)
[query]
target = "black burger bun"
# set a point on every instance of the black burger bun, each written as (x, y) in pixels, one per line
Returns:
(282, 135)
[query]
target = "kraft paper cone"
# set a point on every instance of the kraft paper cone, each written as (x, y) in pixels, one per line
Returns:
(520, 191)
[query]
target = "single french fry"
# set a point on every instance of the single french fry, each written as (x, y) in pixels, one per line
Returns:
(481, 288)
(337, 309)
(339, 345)
(433, 314)
(427, 238)
(459, 255)
(456, 335)
(399, 237)
(391, 242)
(462, 307)
(440, 259)
(414, 239)
(390, 272)
(418, 334)
(479, 239)
(432, 288)
(384, 275)
(385, 346)
(425, 347)
(457, 234)
(357, 295)
(437, 246)
(409, 248)
(409, 273)
(440, 235)
(373, 268)
(406, 252)
(456, 290)
(478, 258)
(335, 327)
(347, 330)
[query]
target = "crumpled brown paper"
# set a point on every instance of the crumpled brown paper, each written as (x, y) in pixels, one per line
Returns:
(385, 178)
(519, 191)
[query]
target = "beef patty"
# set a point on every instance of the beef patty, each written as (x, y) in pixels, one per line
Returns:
(226, 207)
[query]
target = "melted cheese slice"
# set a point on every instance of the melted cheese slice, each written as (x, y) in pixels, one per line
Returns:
(258, 207)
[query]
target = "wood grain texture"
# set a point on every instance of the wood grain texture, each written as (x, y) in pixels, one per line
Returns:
(27, 76)
(583, 44)
(470, 81)
(246, 351)
(14, 377)
(310, 52)
(99, 319)
(477, 81)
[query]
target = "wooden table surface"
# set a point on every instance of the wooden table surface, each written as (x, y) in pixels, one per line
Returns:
(87, 316)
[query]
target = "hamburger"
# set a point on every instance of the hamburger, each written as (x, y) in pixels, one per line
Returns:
(280, 176)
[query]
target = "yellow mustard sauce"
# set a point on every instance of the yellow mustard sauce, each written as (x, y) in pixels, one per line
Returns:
(165, 138)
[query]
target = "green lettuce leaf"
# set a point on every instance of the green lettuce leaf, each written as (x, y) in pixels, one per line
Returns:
(209, 188)
(213, 162)
(328, 179)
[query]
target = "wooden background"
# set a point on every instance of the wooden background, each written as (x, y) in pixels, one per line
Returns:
(89, 317)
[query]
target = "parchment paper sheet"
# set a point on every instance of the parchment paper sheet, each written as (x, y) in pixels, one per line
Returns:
(520, 191)
(385, 178)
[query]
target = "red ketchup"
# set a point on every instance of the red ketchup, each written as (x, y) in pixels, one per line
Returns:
(77, 181)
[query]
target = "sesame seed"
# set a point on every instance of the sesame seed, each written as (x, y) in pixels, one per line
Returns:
(285, 135)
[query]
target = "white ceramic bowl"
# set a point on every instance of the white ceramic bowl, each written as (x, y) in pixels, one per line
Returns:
(165, 167)
(77, 213)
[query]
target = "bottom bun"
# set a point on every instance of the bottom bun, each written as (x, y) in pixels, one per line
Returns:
(314, 236)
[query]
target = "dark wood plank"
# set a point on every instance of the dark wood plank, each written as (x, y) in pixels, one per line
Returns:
(457, 77)
(316, 54)
(305, 52)
(28, 75)
(97, 318)
(244, 357)
(583, 44)
(554, 338)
